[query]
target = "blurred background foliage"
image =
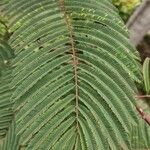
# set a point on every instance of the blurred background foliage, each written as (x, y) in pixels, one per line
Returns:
(126, 7)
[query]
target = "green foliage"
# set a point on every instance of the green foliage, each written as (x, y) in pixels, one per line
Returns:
(140, 136)
(2, 30)
(72, 76)
(6, 112)
(126, 7)
(6, 54)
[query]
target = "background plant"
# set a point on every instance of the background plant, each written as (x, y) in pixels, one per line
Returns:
(126, 7)
(146, 75)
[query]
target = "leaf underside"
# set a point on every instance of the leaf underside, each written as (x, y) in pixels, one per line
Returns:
(73, 76)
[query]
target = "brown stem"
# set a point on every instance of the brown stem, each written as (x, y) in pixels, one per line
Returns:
(75, 59)
(143, 115)
(142, 96)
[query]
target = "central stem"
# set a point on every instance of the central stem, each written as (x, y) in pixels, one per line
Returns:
(75, 60)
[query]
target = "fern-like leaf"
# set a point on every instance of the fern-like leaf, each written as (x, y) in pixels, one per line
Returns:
(74, 75)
